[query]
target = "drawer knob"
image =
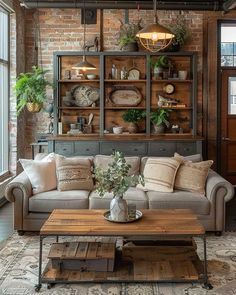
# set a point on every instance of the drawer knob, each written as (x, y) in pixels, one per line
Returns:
(64, 149)
(162, 149)
(87, 150)
(135, 149)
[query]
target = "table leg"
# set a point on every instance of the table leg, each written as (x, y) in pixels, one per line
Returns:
(206, 284)
(39, 285)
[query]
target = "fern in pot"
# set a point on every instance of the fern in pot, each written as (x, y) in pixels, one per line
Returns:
(30, 89)
(116, 180)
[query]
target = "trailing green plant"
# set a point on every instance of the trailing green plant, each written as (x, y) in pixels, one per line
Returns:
(116, 178)
(127, 33)
(133, 115)
(31, 88)
(179, 28)
(160, 117)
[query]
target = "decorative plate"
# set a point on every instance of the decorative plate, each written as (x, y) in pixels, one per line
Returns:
(125, 96)
(84, 95)
(139, 215)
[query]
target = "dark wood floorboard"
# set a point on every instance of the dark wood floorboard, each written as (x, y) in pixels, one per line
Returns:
(6, 221)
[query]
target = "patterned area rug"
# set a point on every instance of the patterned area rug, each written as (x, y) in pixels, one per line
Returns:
(19, 270)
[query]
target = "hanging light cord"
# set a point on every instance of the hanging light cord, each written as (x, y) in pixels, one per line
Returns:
(155, 10)
(39, 39)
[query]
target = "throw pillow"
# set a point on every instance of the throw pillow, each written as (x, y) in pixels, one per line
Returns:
(159, 174)
(192, 176)
(192, 158)
(74, 173)
(41, 173)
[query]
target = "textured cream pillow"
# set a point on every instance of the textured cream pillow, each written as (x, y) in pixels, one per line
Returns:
(41, 173)
(159, 174)
(74, 173)
(192, 176)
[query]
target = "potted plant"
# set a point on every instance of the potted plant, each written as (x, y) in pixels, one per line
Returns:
(133, 116)
(116, 180)
(30, 89)
(127, 36)
(160, 65)
(159, 119)
(180, 29)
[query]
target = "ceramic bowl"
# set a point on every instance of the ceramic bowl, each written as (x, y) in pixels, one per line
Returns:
(117, 130)
(91, 76)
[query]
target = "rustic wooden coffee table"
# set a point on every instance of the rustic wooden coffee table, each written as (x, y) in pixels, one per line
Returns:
(167, 262)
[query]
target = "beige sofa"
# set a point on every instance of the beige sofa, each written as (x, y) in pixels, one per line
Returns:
(30, 211)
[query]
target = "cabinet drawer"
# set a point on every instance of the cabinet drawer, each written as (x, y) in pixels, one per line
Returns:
(128, 148)
(86, 148)
(64, 148)
(186, 148)
(163, 149)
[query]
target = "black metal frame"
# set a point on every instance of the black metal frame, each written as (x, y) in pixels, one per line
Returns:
(203, 279)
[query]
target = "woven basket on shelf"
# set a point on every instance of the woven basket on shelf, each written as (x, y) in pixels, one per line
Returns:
(34, 107)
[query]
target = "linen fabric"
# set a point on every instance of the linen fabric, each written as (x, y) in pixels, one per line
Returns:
(159, 174)
(41, 173)
(73, 173)
(192, 176)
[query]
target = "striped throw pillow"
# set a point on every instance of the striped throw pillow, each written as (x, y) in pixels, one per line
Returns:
(159, 174)
(73, 173)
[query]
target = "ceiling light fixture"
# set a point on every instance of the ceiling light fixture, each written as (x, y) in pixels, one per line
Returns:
(84, 65)
(155, 37)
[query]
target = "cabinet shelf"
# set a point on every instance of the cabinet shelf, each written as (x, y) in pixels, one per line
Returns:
(124, 108)
(78, 81)
(124, 81)
(79, 108)
(140, 94)
(171, 81)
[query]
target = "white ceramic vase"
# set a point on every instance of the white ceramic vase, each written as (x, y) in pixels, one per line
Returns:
(118, 209)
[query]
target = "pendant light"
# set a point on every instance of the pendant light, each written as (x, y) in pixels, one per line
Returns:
(84, 65)
(155, 37)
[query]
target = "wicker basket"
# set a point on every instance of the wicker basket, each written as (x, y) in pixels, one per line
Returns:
(34, 107)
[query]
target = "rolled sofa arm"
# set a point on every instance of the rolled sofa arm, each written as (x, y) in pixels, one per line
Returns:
(218, 191)
(19, 187)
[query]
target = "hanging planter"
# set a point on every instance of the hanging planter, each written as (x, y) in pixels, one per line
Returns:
(34, 107)
(30, 90)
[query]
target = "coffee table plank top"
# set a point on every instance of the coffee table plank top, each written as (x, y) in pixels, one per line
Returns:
(91, 222)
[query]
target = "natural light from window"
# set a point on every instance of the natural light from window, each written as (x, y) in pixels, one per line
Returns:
(228, 45)
(4, 89)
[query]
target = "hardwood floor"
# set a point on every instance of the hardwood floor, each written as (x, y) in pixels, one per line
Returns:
(6, 221)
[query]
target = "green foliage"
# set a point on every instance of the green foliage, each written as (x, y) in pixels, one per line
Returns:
(179, 28)
(160, 117)
(31, 87)
(133, 115)
(162, 61)
(128, 33)
(115, 179)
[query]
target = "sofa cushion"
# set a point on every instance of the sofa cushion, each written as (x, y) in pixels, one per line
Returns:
(74, 173)
(198, 203)
(192, 176)
(193, 158)
(48, 201)
(159, 174)
(41, 173)
(133, 196)
(102, 161)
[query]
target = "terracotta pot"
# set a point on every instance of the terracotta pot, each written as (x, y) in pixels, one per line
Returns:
(34, 107)
(132, 128)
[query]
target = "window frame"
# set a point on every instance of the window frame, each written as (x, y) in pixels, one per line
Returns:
(5, 173)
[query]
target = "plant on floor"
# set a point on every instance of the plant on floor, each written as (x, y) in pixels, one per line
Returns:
(30, 89)
(116, 178)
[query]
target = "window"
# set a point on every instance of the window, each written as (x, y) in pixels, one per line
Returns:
(4, 89)
(228, 45)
